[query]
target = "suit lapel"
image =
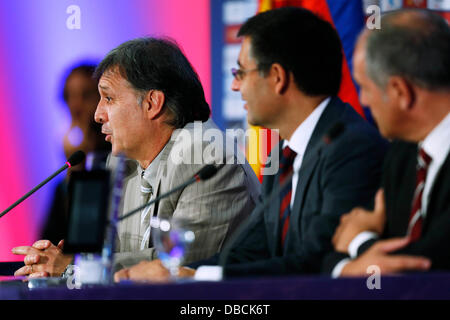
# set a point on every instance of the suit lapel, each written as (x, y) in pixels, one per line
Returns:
(310, 160)
(162, 171)
(160, 187)
(409, 187)
(436, 187)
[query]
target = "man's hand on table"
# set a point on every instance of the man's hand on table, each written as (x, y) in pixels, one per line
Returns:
(378, 255)
(42, 259)
(150, 271)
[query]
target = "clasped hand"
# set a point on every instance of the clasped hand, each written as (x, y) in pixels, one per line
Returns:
(42, 259)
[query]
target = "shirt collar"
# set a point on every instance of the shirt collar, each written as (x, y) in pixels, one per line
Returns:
(436, 144)
(300, 138)
(151, 171)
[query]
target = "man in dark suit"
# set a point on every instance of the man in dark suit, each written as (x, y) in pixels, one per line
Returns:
(404, 73)
(289, 75)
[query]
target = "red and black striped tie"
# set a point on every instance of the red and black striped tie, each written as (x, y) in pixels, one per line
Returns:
(415, 218)
(286, 168)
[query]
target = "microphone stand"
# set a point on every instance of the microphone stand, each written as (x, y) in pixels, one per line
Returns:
(73, 160)
(205, 173)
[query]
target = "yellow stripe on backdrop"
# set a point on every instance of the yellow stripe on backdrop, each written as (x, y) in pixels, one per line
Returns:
(264, 5)
(254, 149)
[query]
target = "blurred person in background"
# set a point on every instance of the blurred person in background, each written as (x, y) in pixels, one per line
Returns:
(81, 96)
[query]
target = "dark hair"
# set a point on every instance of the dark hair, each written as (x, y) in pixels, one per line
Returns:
(414, 44)
(301, 43)
(158, 64)
(86, 68)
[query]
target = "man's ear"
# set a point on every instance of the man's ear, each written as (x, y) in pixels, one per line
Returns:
(153, 103)
(280, 77)
(401, 92)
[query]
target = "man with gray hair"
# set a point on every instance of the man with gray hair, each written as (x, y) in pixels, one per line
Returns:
(150, 95)
(404, 73)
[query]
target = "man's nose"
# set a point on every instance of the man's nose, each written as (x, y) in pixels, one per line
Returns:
(235, 85)
(100, 115)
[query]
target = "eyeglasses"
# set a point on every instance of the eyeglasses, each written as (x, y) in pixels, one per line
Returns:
(238, 74)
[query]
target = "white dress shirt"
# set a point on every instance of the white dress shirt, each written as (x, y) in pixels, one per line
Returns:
(437, 146)
(300, 139)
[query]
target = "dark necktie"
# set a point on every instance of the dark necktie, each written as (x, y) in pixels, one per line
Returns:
(286, 168)
(415, 218)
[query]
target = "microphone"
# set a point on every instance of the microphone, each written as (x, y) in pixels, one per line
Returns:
(203, 174)
(76, 158)
(332, 134)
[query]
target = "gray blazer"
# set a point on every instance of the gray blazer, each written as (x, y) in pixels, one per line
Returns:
(212, 209)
